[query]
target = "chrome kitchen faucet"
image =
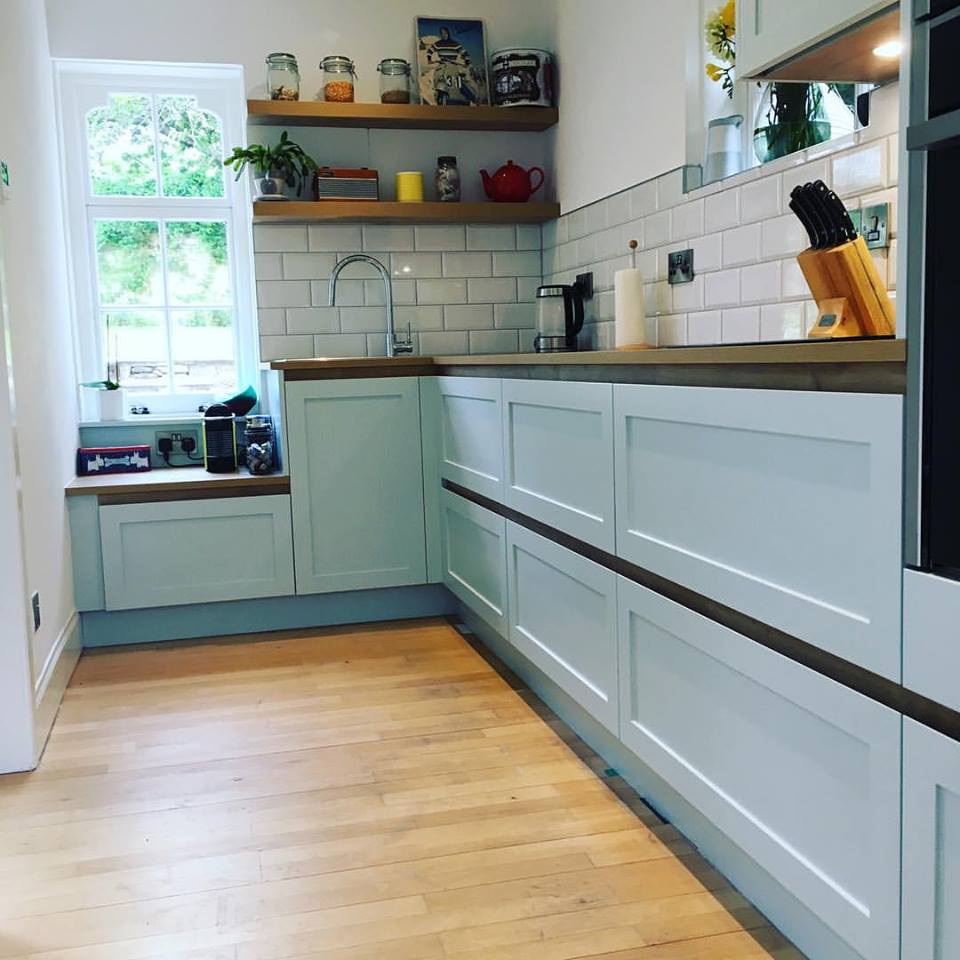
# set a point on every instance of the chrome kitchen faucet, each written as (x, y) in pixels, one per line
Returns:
(394, 344)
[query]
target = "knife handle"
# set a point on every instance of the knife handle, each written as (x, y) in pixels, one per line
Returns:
(801, 215)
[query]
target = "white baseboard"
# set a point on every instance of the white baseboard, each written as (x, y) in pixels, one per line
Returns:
(53, 679)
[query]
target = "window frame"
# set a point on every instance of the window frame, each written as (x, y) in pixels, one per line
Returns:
(82, 85)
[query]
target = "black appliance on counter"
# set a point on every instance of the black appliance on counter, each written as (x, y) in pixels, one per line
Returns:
(559, 318)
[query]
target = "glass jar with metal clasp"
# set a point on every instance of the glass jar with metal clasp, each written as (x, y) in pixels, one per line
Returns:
(283, 76)
(394, 80)
(339, 75)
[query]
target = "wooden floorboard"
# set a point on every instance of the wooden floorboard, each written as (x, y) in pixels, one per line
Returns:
(360, 793)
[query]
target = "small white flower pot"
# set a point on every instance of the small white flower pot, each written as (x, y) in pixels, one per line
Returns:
(113, 404)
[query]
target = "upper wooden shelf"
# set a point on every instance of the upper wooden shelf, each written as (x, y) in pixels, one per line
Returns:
(394, 116)
(383, 211)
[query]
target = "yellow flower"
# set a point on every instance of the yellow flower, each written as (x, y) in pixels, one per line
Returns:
(728, 14)
(713, 71)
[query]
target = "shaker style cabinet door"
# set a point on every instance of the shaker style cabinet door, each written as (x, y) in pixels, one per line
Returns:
(784, 505)
(356, 483)
(563, 618)
(931, 844)
(475, 558)
(771, 31)
(469, 425)
(195, 551)
(558, 456)
(800, 772)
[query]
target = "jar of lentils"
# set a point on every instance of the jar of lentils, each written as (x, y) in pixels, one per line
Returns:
(394, 80)
(338, 79)
(283, 76)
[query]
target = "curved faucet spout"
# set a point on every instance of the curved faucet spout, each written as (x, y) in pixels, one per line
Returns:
(394, 345)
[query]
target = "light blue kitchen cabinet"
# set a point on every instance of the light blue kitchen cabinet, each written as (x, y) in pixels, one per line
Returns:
(430, 448)
(468, 422)
(558, 456)
(784, 505)
(801, 773)
(931, 844)
(475, 558)
(356, 483)
(196, 551)
(563, 618)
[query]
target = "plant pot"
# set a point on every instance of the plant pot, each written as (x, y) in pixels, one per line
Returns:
(270, 188)
(113, 404)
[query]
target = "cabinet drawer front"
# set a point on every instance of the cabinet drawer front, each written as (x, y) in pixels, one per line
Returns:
(475, 558)
(196, 551)
(783, 505)
(558, 455)
(931, 849)
(471, 446)
(931, 640)
(356, 483)
(563, 618)
(800, 772)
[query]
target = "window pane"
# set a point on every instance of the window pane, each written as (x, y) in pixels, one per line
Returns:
(197, 269)
(128, 262)
(120, 148)
(203, 351)
(191, 149)
(136, 341)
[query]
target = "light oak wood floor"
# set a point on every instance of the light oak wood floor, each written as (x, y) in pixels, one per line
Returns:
(370, 792)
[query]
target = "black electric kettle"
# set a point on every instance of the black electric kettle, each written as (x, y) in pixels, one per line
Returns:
(559, 318)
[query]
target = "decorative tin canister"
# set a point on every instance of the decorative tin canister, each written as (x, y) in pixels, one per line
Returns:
(522, 78)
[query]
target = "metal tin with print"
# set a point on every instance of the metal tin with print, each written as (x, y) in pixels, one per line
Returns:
(522, 77)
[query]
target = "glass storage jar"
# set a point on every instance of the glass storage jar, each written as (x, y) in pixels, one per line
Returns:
(283, 76)
(260, 444)
(338, 79)
(394, 80)
(448, 180)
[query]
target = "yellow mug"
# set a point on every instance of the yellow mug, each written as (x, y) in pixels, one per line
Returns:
(410, 186)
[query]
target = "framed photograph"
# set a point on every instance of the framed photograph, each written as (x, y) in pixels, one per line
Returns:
(452, 62)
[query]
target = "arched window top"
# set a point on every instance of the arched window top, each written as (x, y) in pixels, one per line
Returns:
(149, 145)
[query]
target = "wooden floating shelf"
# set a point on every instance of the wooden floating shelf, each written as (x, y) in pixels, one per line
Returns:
(394, 116)
(382, 211)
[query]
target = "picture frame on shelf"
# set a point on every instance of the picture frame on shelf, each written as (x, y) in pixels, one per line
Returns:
(452, 65)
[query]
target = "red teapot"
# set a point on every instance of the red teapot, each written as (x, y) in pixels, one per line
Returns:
(511, 184)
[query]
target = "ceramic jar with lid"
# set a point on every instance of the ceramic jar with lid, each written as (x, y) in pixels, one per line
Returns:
(448, 180)
(394, 80)
(339, 75)
(283, 76)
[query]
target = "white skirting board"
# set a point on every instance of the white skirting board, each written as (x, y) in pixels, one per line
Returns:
(783, 910)
(53, 680)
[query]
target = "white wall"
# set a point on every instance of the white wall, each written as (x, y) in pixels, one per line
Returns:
(39, 315)
(623, 89)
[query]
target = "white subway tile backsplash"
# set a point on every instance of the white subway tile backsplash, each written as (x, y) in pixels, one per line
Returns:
(670, 189)
(387, 237)
(657, 298)
(268, 266)
(285, 348)
(350, 293)
(527, 289)
(339, 345)
(688, 296)
(362, 319)
(804, 173)
(272, 321)
(587, 249)
(618, 208)
(783, 237)
(336, 238)
(722, 210)
(524, 264)
(529, 236)
(493, 341)
(672, 330)
(472, 316)
(741, 325)
(687, 221)
(279, 238)
(703, 327)
(404, 291)
(862, 170)
(482, 236)
(441, 291)
(467, 264)
(313, 320)
(449, 343)
(656, 229)
(708, 253)
(494, 290)
(722, 289)
(893, 160)
(427, 317)
(643, 199)
(793, 284)
(577, 224)
(283, 293)
(514, 316)
(438, 237)
(760, 282)
(597, 217)
(783, 321)
(307, 266)
(415, 266)
(741, 245)
(760, 200)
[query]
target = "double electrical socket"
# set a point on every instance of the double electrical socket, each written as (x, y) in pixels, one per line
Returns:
(176, 438)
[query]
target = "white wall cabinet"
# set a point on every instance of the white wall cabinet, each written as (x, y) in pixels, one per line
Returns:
(469, 423)
(196, 551)
(800, 772)
(931, 844)
(783, 505)
(563, 618)
(771, 31)
(931, 637)
(356, 482)
(475, 558)
(558, 456)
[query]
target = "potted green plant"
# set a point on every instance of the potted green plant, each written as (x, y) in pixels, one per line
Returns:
(111, 396)
(284, 164)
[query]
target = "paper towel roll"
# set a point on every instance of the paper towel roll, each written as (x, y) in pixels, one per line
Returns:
(629, 315)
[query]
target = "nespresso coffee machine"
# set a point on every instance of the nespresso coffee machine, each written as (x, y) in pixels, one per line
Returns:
(559, 318)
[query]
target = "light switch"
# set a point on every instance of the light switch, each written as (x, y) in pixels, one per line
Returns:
(873, 225)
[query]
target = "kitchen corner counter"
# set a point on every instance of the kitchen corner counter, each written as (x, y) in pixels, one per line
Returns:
(870, 366)
(176, 483)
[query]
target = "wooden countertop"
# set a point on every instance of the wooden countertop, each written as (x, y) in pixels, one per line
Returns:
(177, 480)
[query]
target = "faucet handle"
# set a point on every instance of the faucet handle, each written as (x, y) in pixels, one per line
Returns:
(405, 345)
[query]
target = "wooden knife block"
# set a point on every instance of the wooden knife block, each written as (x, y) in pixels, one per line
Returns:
(851, 294)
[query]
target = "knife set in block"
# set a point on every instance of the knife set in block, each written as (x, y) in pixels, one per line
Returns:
(851, 295)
